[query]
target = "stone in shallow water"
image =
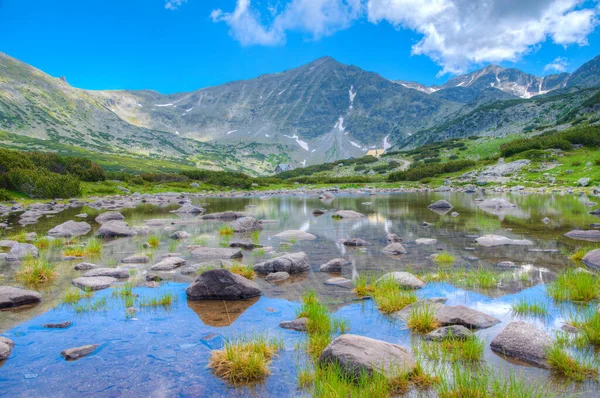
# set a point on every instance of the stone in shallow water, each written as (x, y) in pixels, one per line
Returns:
(168, 264)
(404, 279)
(523, 341)
(457, 332)
(136, 259)
(356, 242)
(14, 297)
(222, 284)
(6, 346)
(189, 209)
(589, 235)
(69, 229)
(73, 354)
(118, 273)
(19, 251)
(357, 355)
(497, 240)
(592, 259)
(179, 235)
(393, 238)
(292, 263)
(109, 216)
(208, 253)
(432, 303)
(461, 315)
(297, 324)
(115, 229)
(334, 265)
(395, 248)
(277, 276)
(507, 264)
(61, 325)
(347, 215)
(94, 282)
(441, 204)
(246, 224)
(294, 234)
(338, 281)
(84, 266)
(426, 241)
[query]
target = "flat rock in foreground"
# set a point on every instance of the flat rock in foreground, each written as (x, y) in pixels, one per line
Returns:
(467, 317)
(523, 341)
(592, 235)
(293, 263)
(357, 354)
(73, 354)
(497, 240)
(14, 297)
(94, 282)
(222, 284)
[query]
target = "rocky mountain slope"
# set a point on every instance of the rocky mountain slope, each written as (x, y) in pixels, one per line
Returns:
(319, 112)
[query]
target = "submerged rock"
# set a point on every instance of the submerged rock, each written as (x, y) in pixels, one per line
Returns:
(457, 332)
(69, 229)
(292, 263)
(61, 325)
(179, 235)
(393, 238)
(136, 259)
(461, 315)
(356, 242)
(14, 297)
(73, 354)
(497, 240)
(189, 209)
(338, 281)
(404, 279)
(298, 324)
(294, 234)
(6, 346)
(94, 282)
(496, 204)
(426, 241)
(226, 215)
(523, 341)
(432, 303)
(222, 284)
(357, 355)
(334, 265)
(592, 235)
(84, 266)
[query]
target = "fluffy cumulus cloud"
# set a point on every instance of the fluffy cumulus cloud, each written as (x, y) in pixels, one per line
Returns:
(173, 4)
(454, 33)
(558, 65)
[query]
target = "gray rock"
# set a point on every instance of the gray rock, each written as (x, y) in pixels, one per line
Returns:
(546, 220)
(338, 281)
(456, 332)
(246, 224)
(69, 229)
(84, 266)
(81, 215)
(277, 276)
(454, 214)
(189, 209)
(426, 241)
(583, 182)
(14, 297)
(226, 215)
(136, 259)
(168, 264)
(393, 238)
(94, 283)
(6, 346)
(496, 204)
(115, 229)
(208, 253)
(8, 243)
(109, 216)
(432, 303)
(334, 265)
(222, 284)
(589, 235)
(395, 248)
(245, 244)
(461, 315)
(497, 240)
(61, 325)
(292, 263)
(298, 324)
(347, 214)
(441, 204)
(504, 169)
(405, 279)
(19, 251)
(179, 235)
(356, 242)
(119, 273)
(73, 354)
(506, 264)
(153, 278)
(358, 355)
(294, 234)
(523, 341)
(592, 259)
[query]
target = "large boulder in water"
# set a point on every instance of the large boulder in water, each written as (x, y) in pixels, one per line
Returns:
(467, 317)
(115, 229)
(592, 235)
(210, 253)
(14, 297)
(334, 265)
(19, 251)
(94, 282)
(347, 215)
(294, 234)
(357, 355)
(109, 216)
(119, 273)
(441, 204)
(523, 341)
(592, 259)
(69, 229)
(168, 264)
(497, 240)
(246, 224)
(405, 279)
(293, 263)
(222, 284)
(395, 248)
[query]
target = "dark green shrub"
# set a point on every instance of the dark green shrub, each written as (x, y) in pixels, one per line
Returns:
(430, 170)
(453, 157)
(5, 196)
(14, 160)
(41, 183)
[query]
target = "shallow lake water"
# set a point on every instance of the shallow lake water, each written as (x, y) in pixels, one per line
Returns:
(157, 352)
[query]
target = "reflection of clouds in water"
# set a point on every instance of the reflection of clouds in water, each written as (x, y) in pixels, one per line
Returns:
(497, 309)
(304, 227)
(341, 247)
(386, 226)
(354, 271)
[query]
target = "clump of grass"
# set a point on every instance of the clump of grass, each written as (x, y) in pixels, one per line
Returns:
(166, 301)
(258, 252)
(74, 250)
(226, 230)
(153, 241)
(93, 246)
(21, 237)
(444, 258)
(391, 297)
(173, 246)
(589, 329)
(246, 271)
(243, 362)
(578, 254)
(125, 293)
(42, 243)
(422, 319)
(523, 307)
(73, 296)
(452, 349)
(35, 271)
(565, 365)
(362, 287)
(574, 286)
(255, 236)
(305, 378)
(481, 277)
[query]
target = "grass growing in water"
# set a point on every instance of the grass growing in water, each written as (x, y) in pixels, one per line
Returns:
(391, 297)
(574, 286)
(42, 243)
(247, 271)
(482, 278)
(523, 307)
(93, 246)
(226, 230)
(452, 349)
(74, 250)
(72, 296)
(166, 301)
(565, 365)
(444, 258)
(589, 329)
(35, 271)
(243, 362)
(422, 319)
(362, 287)
(153, 241)
(91, 306)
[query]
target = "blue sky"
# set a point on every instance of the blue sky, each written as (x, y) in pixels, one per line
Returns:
(179, 45)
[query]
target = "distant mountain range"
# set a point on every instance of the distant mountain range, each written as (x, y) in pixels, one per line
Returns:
(318, 112)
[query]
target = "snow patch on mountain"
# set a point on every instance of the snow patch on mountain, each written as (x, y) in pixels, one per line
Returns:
(352, 95)
(302, 144)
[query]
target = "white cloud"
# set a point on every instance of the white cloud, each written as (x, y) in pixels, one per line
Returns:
(558, 65)
(456, 34)
(174, 4)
